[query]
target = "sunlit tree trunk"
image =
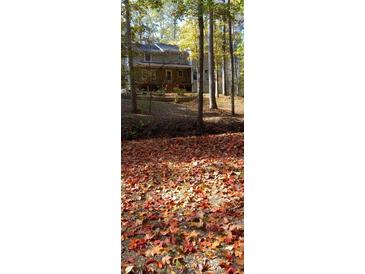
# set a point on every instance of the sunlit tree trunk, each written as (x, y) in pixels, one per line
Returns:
(212, 100)
(200, 68)
(130, 55)
(231, 55)
(216, 81)
(224, 61)
(174, 30)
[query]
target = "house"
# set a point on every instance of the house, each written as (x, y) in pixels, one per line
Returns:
(158, 65)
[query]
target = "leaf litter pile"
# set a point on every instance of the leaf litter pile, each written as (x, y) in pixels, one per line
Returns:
(182, 205)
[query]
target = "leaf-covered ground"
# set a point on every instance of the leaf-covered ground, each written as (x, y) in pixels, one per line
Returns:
(182, 205)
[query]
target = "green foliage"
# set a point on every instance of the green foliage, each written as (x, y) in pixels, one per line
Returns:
(188, 38)
(179, 91)
(161, 92)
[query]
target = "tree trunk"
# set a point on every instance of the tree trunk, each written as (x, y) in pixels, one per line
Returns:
(174, 30)
(224, 61)
(201, 68)
(130, 56)
(140, 32)
(212, 100)
(231, 55)
(216, 81)
(237, 69)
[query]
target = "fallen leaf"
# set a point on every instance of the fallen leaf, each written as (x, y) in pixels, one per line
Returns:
(193, 234)
(153, 251)
(159, 265)
(198, 224)
(149, 236)
(229, 238)
(215, 244)
(166, 260)
(189, 247)
(128, 269)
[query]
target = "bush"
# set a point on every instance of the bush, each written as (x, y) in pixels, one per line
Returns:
(179, 91)
(160, 92)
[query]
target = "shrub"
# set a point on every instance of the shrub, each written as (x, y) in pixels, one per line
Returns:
(179, 91)
(160, 92)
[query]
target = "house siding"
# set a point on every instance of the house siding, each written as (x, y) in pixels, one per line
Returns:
(176, 81)
(164, 58)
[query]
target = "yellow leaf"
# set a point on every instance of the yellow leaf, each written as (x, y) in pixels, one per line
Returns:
(215, 244)
(149, 236)
(129, 268)
(193, 234)
(210, 254)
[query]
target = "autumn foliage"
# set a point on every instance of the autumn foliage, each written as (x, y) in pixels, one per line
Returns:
(182, 205)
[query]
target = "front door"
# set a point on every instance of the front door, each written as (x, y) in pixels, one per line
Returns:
(168, 76)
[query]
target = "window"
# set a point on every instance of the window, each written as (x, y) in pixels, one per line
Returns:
(180, 74)
(147, 57)
(168, 75)
(206, 75)
(144, 74)
(195, 75)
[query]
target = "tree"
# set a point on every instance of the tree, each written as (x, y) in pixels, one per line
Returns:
(224, 50)
(130, 55)
(195, 9)
(201, 67)
(189, 35)
(224, 60)
(212, 100)
(231, 56)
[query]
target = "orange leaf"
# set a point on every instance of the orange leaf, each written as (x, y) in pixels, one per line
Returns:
(153, 251)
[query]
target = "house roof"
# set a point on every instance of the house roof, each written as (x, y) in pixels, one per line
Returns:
(166, 47)
(160, 65)
(157, 47)
(147, 47)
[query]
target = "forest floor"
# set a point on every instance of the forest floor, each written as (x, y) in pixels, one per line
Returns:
(182, 205)
(178, 119)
